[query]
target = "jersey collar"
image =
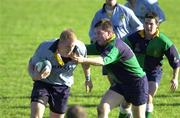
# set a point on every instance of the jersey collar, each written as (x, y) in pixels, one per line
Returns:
(142, 33)
(54, 46)
(112, 38)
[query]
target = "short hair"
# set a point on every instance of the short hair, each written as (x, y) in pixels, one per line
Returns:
(152, 15)
(68, 34)
(76, 111)
(105, 25)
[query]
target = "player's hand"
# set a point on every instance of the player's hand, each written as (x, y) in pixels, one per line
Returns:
(174, 84)
(45, 73)
(77, 58)
(36, 75)
(41, 75)
(88, 85)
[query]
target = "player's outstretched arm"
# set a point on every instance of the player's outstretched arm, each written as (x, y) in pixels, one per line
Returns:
(97, 61)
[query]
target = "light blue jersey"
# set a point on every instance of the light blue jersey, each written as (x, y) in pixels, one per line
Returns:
(142, 7)
(123, 19)
(59, 74)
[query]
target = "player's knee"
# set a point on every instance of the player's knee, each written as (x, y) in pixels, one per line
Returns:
(103, 108)
(126, 105)
(150, 99)
(100, 109)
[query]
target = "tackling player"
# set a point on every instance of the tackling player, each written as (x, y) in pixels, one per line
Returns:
(120, 62)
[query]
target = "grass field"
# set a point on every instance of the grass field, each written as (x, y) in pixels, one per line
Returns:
(26, 23)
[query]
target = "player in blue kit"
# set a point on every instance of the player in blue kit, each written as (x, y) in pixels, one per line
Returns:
(55, 89)
(123, 19)
(150, 45)
(120, 62)
(141, 7)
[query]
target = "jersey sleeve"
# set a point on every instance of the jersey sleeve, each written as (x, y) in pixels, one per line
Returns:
(173, 56)
(171, 52)
(135, 23)
(110, 55)
(80, 48)
(34, 59)
(92, 49)
(37, 55)
(128, 42)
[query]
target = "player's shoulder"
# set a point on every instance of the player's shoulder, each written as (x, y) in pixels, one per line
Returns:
(80, 47)
(80, 44)
(164, 38)
(101, 10)
(46, 44)
(125, 9)
(49, 42)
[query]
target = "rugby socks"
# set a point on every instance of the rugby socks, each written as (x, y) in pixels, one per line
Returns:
(125, 113)
(149, 110)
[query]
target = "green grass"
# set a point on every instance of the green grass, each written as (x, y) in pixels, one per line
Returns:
(26, 23)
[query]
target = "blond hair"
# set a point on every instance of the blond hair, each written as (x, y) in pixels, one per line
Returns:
(68, 34)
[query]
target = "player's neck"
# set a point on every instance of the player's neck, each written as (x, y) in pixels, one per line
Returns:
(148, 36)
(109, 7)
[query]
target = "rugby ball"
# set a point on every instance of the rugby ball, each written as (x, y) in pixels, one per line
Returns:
(44, 65)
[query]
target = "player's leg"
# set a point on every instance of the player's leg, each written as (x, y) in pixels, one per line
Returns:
(39, 99)
(58, 101)
(56, 115)
(139, 92)
(139, 111)
(125, 110)
(110, 100)
(153, 82)
(153, 87)
(37, 110)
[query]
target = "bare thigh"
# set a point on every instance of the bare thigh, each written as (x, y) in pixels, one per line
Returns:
(37, 110)
(113, 98)
(153, 87)
(56, 115)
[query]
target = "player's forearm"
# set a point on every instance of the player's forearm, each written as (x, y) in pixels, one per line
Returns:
(97, 61)
(87, 70)
(34, 75)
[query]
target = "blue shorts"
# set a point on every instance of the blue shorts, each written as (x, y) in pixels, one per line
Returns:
(135, 92)
(55, 95)
(155, 76)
